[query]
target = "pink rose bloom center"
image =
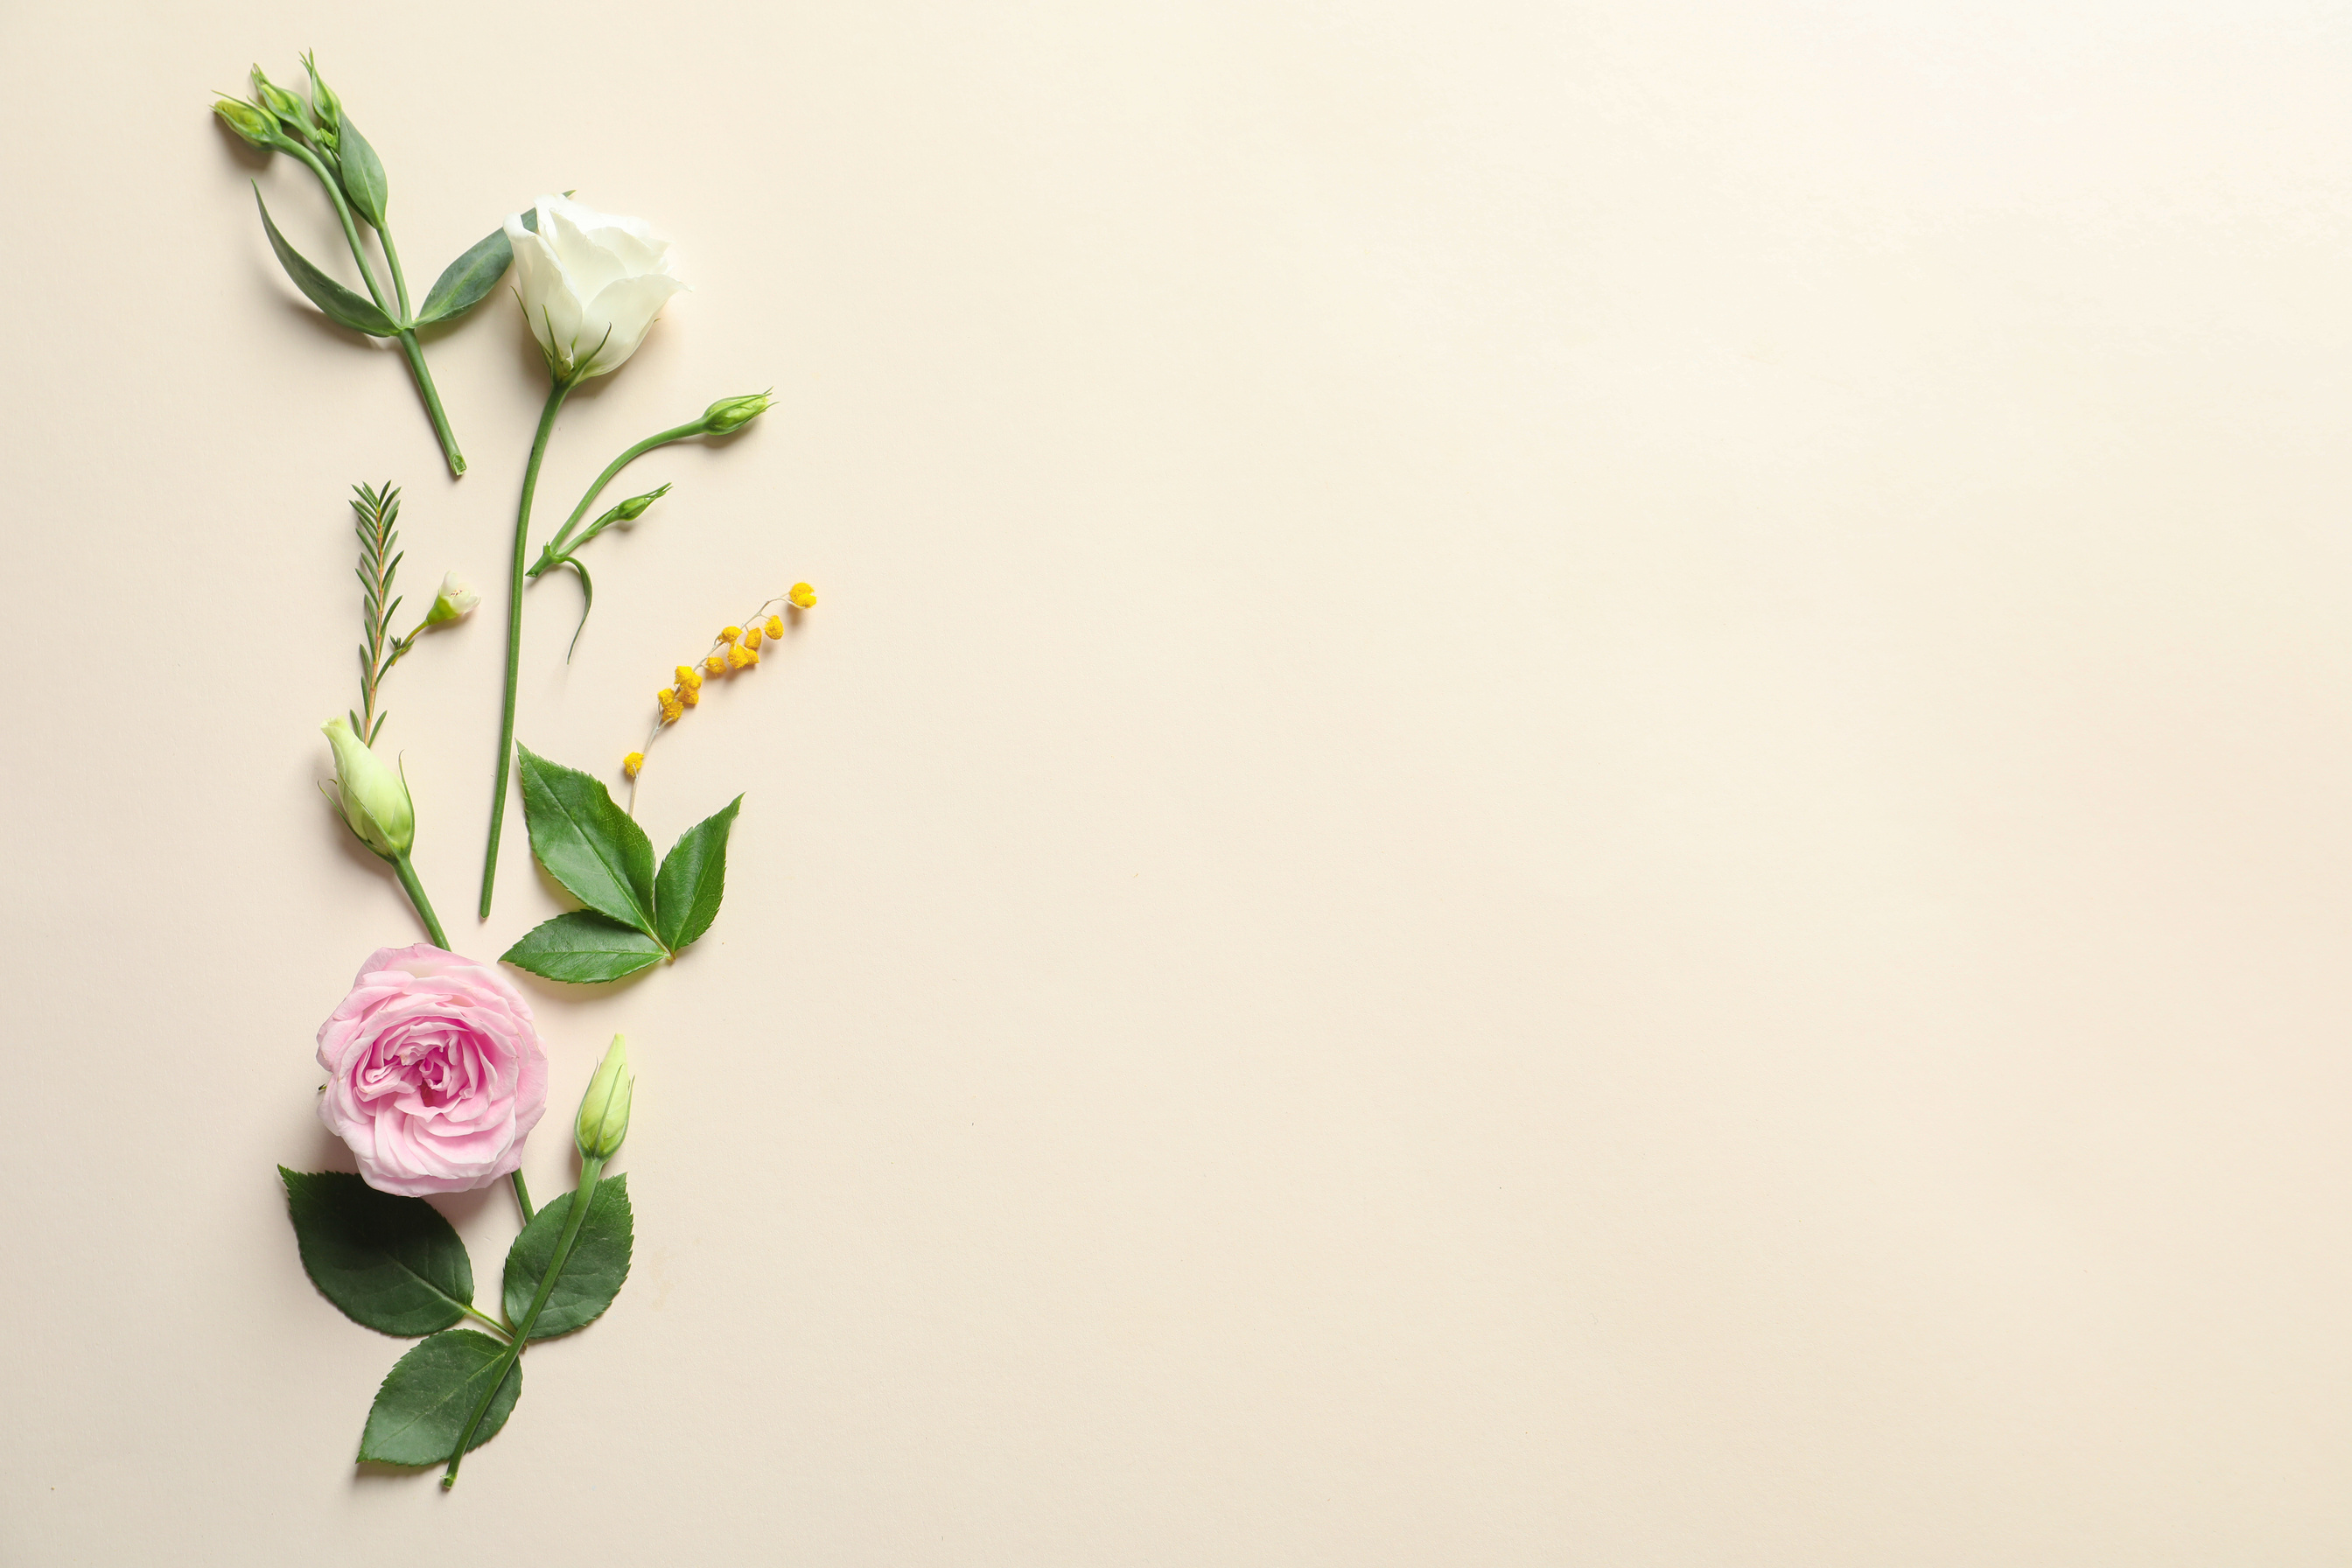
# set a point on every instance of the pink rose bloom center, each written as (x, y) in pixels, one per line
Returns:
(436, 1073)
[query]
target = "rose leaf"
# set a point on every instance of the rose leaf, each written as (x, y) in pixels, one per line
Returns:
(583, 947)
(593, 1273)
(428, 1394)
(693, 879)
(391, 1263)
(586, 842)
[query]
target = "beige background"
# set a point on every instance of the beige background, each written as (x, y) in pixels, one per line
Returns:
(1573, 787)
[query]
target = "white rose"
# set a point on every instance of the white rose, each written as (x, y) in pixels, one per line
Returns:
(591, 284)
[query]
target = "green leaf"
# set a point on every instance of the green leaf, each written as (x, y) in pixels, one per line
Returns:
(428, 1394)
(362, 174)
(583, 947)
(341, 306)
(593, 1273)
(693, 879)
(470, 277)
(391, 1264)
(586, 842)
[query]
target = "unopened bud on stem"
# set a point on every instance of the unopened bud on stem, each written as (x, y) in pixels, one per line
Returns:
(250, 121)
(287, 106)
(731, 414)
(323, 99)
(373, 798)
(604, 1109)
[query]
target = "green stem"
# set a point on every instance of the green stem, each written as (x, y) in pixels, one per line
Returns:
(522, 1197)
(407, 870)
(432, 395)
(555, 396)
(391, 255)
(409, 346)
(343, 211)
(555, 547)
(591, 1168)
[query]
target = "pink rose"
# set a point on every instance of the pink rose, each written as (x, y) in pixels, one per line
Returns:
(434, 1074)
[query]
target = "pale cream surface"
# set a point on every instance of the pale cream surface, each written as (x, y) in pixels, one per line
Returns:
(1575, 787)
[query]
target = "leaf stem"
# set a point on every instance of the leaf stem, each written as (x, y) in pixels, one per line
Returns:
(591, 1169)
(522, 1197)
(556, 394)
(480, 1317)
(407, 870)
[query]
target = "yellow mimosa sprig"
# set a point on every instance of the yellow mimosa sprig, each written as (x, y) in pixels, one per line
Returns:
(736, 648)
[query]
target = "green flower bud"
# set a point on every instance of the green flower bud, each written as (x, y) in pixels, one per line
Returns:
(250, 121)
(730, 414)
(604, 1109)
(634, 507)
(281, 103)
(323, 99)
(454, 601)
(373, 798)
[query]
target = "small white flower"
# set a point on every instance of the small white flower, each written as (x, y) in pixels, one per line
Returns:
(454, 601)
(592, 285)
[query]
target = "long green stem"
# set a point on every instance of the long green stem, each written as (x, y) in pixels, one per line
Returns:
(591, 1168)
(522, 1197)
(407, 870)
(555, 396)
(555, 547)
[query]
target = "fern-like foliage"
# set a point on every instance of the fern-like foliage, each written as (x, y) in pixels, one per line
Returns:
(374, 513)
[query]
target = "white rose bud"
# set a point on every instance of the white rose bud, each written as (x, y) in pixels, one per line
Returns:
(373, 798)
(604, 1109)
(454, 601)
(592, 285)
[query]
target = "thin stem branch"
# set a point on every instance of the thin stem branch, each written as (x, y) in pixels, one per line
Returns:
(556, 394)
(562, 540)
(591, 1168)
(522, 1197)
(391, 255)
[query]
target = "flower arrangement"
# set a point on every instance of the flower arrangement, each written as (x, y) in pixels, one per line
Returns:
(436, 1072)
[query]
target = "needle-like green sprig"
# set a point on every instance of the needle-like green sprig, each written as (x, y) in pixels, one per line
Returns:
(375, 516)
